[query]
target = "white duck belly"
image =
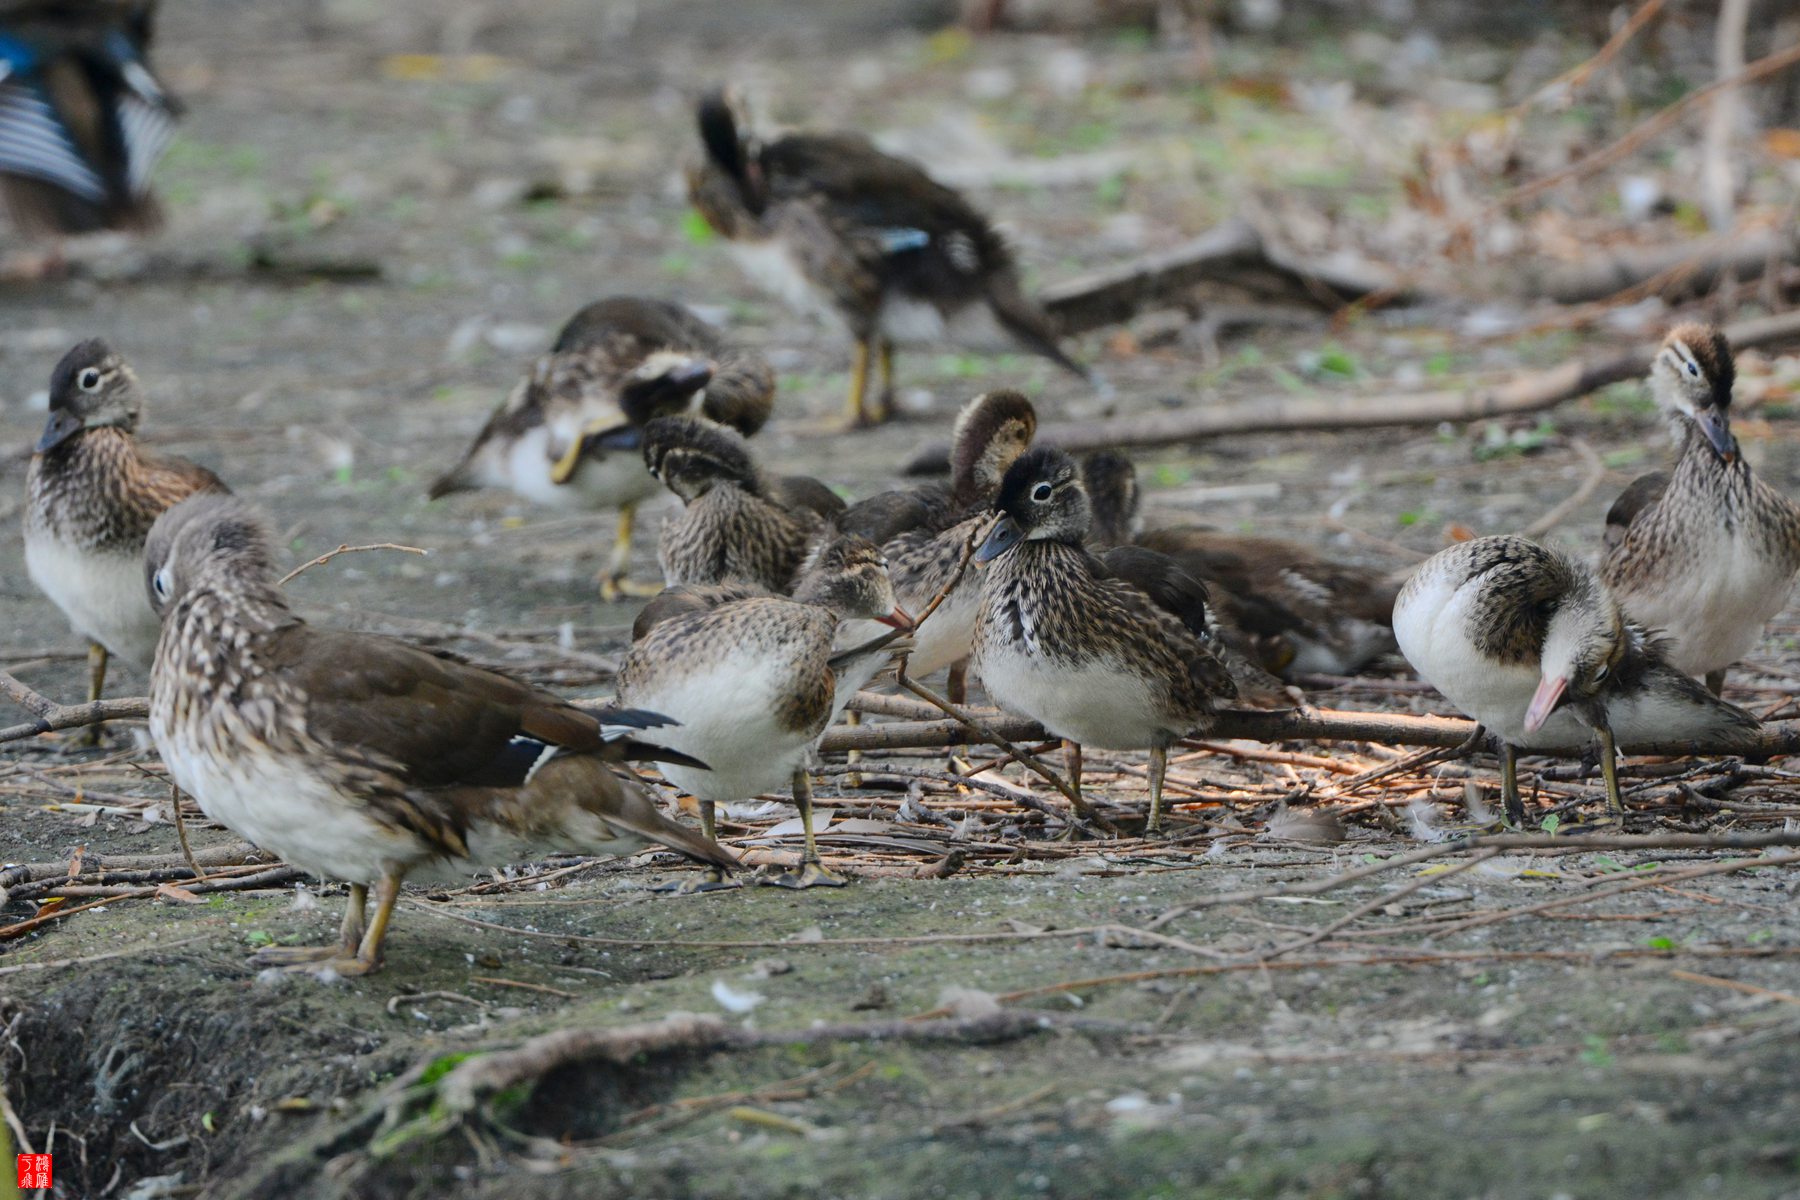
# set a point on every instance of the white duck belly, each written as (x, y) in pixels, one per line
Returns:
(1096, 703)
(1714, 611)
(607, 482)
(101, 592)
(1431, 621)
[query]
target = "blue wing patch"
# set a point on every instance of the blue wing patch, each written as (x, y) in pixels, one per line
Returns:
(896, 241)
(34, 143)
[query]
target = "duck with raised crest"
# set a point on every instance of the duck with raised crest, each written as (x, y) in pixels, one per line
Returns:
(363, 759)
(1529, 643)
(1058, 639)
(1705, 554)
(570, 434)
(839, 229)
(754, 679)
(92, 494)
(1285, 606)
(735, 525)
(83, 118)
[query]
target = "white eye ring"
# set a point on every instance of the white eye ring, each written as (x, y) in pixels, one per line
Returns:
(88, 380)
(1041, 492)
(160, 581)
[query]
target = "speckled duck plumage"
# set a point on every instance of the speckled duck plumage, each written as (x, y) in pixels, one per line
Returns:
(1706, 553)
(92, 494)
(732, 528)
(1529, 642)
(360, 758)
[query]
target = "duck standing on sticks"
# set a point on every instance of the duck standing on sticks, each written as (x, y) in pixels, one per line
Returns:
(363, 759)
(1091, 657)
(839, 229)
(92, 494)
(1705, 554)
(755, 679)
(1528, 642)
(570, 435)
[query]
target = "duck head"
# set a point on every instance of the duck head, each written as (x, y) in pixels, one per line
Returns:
(1041, 499)
(690, 456)
(1692, 377)
(991, 432)
(848, 575)
(1584, 644)
(210, 540)
(666, 383)
(91, 388)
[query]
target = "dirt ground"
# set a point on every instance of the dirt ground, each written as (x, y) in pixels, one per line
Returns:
(501, 165)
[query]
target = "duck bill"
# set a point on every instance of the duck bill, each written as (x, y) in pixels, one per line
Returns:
(898, 619)
(60, 428)
(1003, 537)
(1717, 428)
(1544, 701)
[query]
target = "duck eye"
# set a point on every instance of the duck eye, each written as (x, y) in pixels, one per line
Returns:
(1694, 370)
(88, 380)
(160, 581)
(1041, 493)
(1601, 672)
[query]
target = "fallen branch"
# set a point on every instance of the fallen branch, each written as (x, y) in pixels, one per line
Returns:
(1527, 393)
(1590, 483)
(1687, 268)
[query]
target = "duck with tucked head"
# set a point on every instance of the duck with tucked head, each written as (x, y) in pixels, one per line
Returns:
(1705, 554)
(92, 493)
(570, 434)
(363, 759)
(1061, 640)
(1528, 642)
(754, 679)
(871, 242)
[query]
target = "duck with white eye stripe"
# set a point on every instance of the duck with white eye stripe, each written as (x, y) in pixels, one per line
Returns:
(1528, 642)
(92, 493)
(1707, 553)
(1089, 656)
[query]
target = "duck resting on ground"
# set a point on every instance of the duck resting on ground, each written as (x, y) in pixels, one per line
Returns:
(1528, 642)
(92, 494)
(838, 229)
(1285, 606)
(570, 434)
(1091, 657)
(754, 679)
(363, 759)
(1705, 554)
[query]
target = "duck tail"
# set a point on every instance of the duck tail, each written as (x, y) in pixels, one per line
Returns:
(720, 135)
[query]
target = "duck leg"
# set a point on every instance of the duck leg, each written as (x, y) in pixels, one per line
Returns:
(1715, 681)
(1072, 763)
(96, 684)
(614, 582)
(1609, 768)
(712, 879)
(350, 935)
(1509, 786)
(884, 365)
(1159, 763)
(856, 415)
(854, 779)
(812, 872)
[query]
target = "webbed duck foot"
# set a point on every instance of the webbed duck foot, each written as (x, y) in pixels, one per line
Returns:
(810, 875)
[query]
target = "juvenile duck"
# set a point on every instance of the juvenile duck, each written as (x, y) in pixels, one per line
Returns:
(1284, 605)
(91, 496)
(362, 759)
(569, 435)
(1706, 554)
(1528, 642)
(1091, 657)
(925, 532)
(83, 118)
(838, 229)
(754, 680)
(734, 526)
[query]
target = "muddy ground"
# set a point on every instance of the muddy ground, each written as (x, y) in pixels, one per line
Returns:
(521, 163)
